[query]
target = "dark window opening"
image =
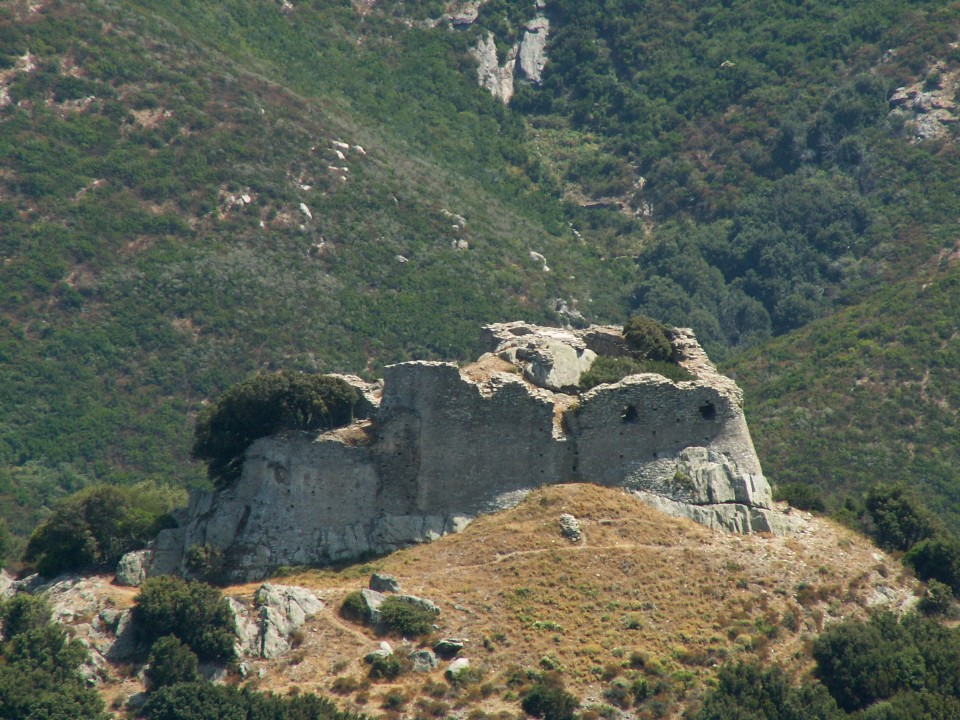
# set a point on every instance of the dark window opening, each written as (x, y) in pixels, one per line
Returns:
(629, 414)
(708, 411)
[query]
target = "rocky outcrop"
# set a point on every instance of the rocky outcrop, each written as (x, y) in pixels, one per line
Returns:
(445, 444)
(533, 49)
(266, 628)
(525, 59)
(491, 75)
(928, 107)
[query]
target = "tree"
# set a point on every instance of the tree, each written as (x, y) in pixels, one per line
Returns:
(192, 611)
(265, 405)
(93, 528)
(648, 338)
(170, 662)
(899, 519)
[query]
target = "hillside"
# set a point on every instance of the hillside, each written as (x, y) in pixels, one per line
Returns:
(191, 192)
(639, 596)
(868, 395)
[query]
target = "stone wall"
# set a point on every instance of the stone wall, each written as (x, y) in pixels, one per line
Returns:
(444, 444)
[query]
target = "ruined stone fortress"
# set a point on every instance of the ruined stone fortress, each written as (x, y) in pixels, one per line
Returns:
(436, 445)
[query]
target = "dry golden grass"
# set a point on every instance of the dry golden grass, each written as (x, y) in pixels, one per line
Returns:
(678, 596)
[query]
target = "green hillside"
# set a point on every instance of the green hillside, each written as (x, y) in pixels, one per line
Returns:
(194, 191)
(868, 395)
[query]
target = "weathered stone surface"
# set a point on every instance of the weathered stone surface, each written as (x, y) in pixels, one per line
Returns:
(424, 660)
(570, 527)
(448, 647)
(381, 582)
(132, 568)
(373, 601)
(457, 667)
(444, 445)
(928, 107)
(496, 78)
(553, 360)
(277, 612)
(533, 49)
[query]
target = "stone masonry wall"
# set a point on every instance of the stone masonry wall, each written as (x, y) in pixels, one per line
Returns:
(447, 444)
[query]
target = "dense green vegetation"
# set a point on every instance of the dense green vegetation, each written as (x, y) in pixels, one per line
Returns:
(192, 612)
(867, 396)
(266, 405)
(884, 669)
(92, 529)
(39, 666)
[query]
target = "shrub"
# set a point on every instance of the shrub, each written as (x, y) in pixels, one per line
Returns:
(802, 496)
(205, 562)
(23, 613)
(899, 520)
(265, 405)
(192, 611)
(355, 608)
(608, 369)
(406, 618)
(93, 528)
(170, 662)
(937, 599)
(548, 699)
(386, 667)
(648, 338)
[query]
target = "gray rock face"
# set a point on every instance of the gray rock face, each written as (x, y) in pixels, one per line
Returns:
(278, 611)
(384, 583)
(554, 359)
(457, 667)
(570, 528)
(448, 647)
(132, 568)
(496, 78)
(444, 445)
(929, 106)
(533, 49)
(424, 660)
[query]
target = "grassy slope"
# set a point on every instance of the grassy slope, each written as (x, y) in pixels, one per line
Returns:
(683, 597)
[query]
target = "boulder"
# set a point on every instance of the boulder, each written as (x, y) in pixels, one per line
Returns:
(448, 647)
(384, 583)
(553, 360)
(457, 667)
(373, 600)
(424, 660)
(278, 611)
(570, 527)
(132, 568)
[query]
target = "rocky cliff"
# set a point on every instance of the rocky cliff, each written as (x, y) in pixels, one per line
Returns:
(443, 444)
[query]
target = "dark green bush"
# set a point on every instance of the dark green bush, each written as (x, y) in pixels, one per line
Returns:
(93, 528)
(936, 558)
(386, 667)
(170, 662)
(937, 599)
(39, 667)
(898, 518)
(406, 618)
(802, 496)
(206, 701)
(608, 369)
(206, 563)
(648, 338)
(746, 691)
(192, 611)
(355, 608)
(23, 613)
(265, 405)
(547, 699)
